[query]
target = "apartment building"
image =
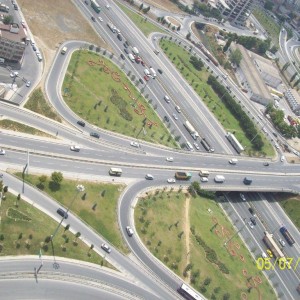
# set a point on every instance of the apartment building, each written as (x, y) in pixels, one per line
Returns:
(12, 42)
(235, 11)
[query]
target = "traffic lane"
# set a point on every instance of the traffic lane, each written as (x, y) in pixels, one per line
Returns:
(88, 235)
(77, 269)
(134, 243)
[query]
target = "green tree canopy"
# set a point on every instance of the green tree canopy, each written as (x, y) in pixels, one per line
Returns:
(236, 57)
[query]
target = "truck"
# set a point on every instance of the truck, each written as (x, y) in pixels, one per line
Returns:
(111, 26)
(234, 142)
(95, 6)
(219, 179)
(189, 127)
(183, 175)
(206, 145)
(271, 244)
(287, 235)
(64, 50)
(207, 54)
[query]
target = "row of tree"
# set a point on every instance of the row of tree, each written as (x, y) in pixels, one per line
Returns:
(244, 121)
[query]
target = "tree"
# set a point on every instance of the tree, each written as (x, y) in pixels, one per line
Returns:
(57, 178)
(8, 20)
(141, 6)
(236, 57)
(67, 227)
(145, 10)
(269, 5)
(77, 235)
(42, 180)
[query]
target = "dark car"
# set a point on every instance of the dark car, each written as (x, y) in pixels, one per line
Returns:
(166, 119)
(95, 135)
(93, 19)
(126, 50)
(253, 220)
(125, 45)
(119, 36)
(251, 210)
(266, 164)
(81, 123)
(86, 2)
(122, 56)
(247, 180)
(159, 71)
(62, 213)
(141, 81)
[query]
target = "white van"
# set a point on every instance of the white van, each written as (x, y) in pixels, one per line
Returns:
(219, 178)
(131, 57)
(233, 161)
(135, 50)
(146, 71)
(153, 73)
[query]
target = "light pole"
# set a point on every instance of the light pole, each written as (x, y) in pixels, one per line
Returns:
(79, 188)
(234, 235)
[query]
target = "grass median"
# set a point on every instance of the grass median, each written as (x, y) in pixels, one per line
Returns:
(180, 57)
(193, 247)
(25, 230)
(99, 92)
(97, 205)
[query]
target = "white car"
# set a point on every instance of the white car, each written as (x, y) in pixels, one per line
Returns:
(203, 179)
(75, 148)
(149, 177)
(2, 151)
(28, 83)
(242, 196)
(105, 248)
(250, 224)
(135, 144)
(129, 231)
(282, 242)
(276, 146)
(101, 20)
(167, 98)
(171, 180)
(170, 159)
(175, 117)
(196, 146)
(107, 6)
(282, 158)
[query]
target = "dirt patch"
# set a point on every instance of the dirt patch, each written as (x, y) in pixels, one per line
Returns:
(173, 21)
(52, 23)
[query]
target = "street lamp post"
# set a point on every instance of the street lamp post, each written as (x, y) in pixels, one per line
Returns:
(79, 188)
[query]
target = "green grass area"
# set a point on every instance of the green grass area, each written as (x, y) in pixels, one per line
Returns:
(97, 206)
(180, 57)
(24, 230)
(38, 104)
(141, 21)
(97, 93)
(291, 206)
(16, 126)
(210, 267)
(269, 25)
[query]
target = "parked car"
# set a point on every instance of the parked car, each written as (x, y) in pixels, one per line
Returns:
(135, 144)
(81, 123)
(95, 135)
(105, 248)
(129, 231)
(171, 180)
(149, 177)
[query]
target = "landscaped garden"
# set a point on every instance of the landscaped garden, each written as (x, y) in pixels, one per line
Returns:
(97, 205)
(100, 93)
(188, 235)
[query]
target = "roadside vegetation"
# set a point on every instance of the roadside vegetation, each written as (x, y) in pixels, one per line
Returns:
(38, 104)
(193, 247)
(25, 230)
(181, 57)
(96, 206)
(290, 204)
(99, 92)
(16, 126)
(140, 20)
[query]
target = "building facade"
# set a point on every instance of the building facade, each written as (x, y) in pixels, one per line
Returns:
(236, 11)
(293, 99)
(12, 42)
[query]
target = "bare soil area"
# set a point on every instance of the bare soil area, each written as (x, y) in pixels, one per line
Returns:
(53, 22)
(166, 5)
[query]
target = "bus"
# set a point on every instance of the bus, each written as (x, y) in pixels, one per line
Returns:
(95, 6)
(188, 293)
(115, 172)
